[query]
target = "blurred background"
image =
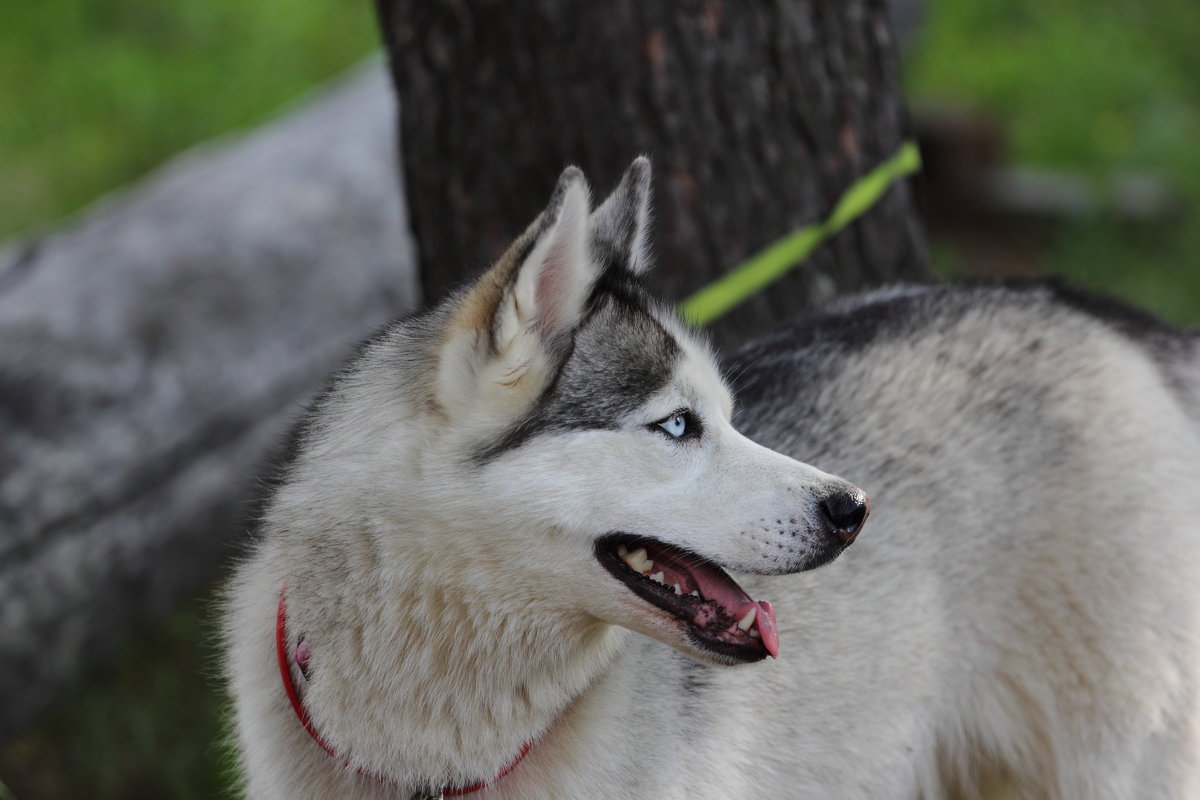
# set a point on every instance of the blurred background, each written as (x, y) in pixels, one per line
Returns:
(1060, 137)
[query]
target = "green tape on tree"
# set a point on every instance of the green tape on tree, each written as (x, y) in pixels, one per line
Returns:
(764, 268)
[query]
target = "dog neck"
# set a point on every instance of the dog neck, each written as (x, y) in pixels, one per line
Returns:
(424, 684)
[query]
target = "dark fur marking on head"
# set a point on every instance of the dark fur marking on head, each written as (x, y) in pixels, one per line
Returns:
(618, 356)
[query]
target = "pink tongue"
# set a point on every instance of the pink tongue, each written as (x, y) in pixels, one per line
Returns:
(764, 620)
(739, 604)
(716, 585)
(766, 628)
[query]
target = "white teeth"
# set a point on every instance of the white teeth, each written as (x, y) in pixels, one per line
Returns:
(657, 577)
(745, 622)
(677, 589)
(637, 560)
(754, 633)
(622, 550)
(695, 592)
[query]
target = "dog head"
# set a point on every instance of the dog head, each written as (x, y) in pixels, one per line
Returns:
(566, 446)
(588, 427)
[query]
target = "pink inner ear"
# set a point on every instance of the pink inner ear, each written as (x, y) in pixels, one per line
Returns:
(551, 291)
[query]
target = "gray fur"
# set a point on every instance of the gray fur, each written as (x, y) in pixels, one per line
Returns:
(619, 345)
(619, 225)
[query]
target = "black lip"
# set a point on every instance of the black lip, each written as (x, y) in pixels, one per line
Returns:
(832, 551)
(676, 605)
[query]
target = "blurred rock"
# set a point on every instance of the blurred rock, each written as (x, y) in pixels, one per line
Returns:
(152, 353)
(1125, 196)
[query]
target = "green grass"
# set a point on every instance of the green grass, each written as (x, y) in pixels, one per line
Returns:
(97, 92)
(1094, 88)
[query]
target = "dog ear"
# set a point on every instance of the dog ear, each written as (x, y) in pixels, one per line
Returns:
(619, 226)
(554, 280)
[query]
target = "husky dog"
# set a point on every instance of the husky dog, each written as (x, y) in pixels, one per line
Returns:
(499, 559)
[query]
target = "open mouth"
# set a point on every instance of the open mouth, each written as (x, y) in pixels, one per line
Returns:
(717, 613)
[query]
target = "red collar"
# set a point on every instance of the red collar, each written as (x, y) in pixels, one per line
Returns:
(293, 696)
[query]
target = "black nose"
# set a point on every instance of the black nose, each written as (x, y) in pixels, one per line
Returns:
(846, 511)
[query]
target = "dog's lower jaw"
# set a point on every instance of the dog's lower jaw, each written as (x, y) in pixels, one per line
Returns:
(436, 687)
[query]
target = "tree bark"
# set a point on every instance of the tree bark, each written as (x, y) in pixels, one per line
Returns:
(757, 116)
(152, 356)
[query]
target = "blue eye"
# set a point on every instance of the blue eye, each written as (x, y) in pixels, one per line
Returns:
(680, 425)
(675, 425)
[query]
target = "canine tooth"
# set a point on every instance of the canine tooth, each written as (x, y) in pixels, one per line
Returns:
(657, 577)
(745, 622)
(622, 550)
(695, 592)
(637, 560)
(677, 589)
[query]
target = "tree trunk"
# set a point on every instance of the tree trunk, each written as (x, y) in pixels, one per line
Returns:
(757, 116)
